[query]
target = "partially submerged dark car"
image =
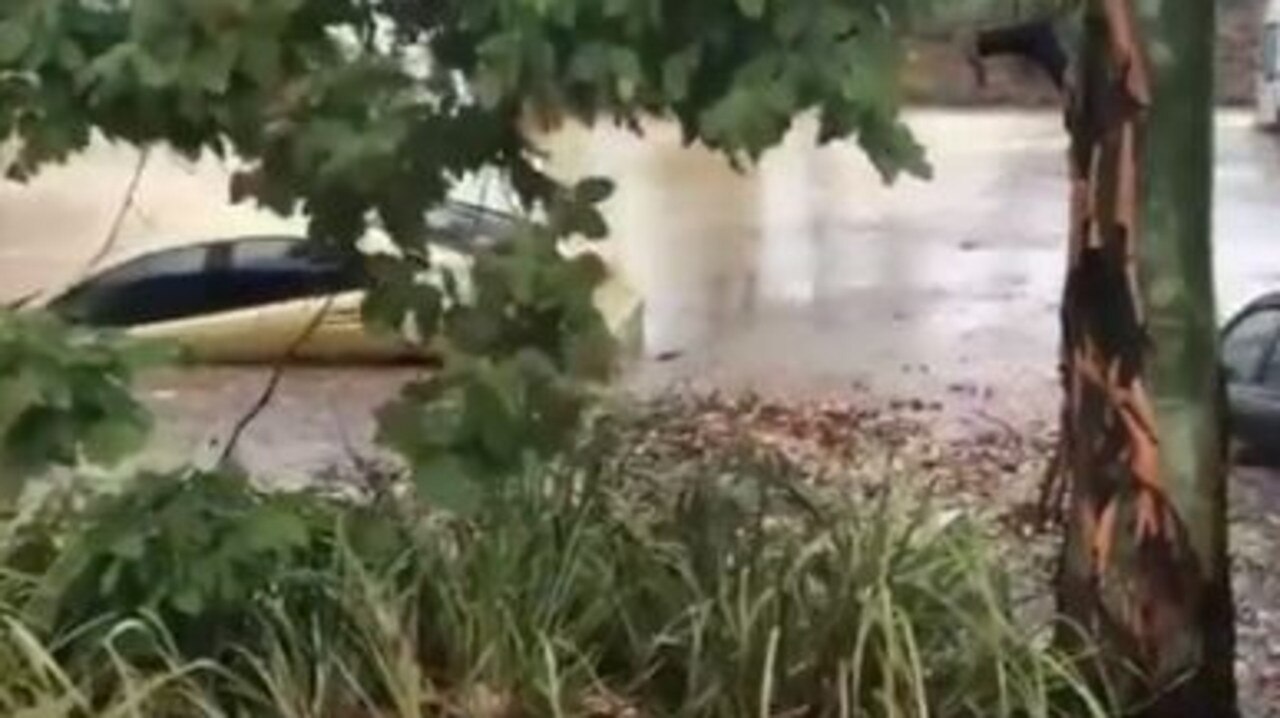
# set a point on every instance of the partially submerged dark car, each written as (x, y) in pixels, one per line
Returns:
(1251, 360)
(268, 298)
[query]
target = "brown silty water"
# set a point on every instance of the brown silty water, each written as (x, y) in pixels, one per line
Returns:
(804, 276)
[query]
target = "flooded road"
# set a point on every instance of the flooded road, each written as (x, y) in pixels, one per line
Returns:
(805, 276)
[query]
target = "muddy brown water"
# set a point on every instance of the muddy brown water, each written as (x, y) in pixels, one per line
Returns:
(804, 276)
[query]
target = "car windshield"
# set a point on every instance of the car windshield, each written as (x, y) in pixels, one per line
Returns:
(1248, 342)
(469, 228)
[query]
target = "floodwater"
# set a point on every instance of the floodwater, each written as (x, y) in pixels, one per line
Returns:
(804, 276)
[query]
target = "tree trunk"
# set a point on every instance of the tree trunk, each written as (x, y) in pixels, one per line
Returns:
(1144, 570)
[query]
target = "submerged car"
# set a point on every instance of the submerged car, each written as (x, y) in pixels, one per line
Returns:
(1251, 360)
(267, 298)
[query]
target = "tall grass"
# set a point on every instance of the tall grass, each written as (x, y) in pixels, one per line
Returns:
(109, 679)
(584, 589)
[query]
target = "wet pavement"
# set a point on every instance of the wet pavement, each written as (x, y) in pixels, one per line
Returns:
(805, 276)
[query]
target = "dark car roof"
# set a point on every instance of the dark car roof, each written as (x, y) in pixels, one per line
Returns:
(463, 211)
(450, 236)
(1270, 300)
(1266, 301)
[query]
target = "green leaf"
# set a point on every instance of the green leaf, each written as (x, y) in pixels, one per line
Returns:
(677, 71)
(792, 19)
(209, 68)
(428, 306)
(626, 71)
(491, 413)
(590, 62)
(131, 546)
(892, 148)
(260, 57)
(744, 120)
(490, 88)
(591, 223)
(595, 190)
(389, 269)
(18, 392)
(111, 440)
(753, 9)
(424, 419)
(446, 483)
(473, 330)
(153, 73)
(274, 528)
(385, 308)
(14, 41)
(371, 535)
(189, 601)
(616, 8)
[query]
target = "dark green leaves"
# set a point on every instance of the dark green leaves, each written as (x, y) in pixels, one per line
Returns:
(469, 430)
(677, 74)
(753, 9)
(735, 74)
(185, 546)
(15, 38)
(446, 482)
(595, 190)
(344, 130)
(64, 397)
(519, 341)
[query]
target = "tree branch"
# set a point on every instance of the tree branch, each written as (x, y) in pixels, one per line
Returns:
(273, 384)
(117, 224)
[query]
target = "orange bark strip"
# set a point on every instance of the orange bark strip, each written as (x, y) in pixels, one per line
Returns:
(1146, 411)
(1104, 537)
(1125, 51)
(1089, 367)
(1150, 522)
(1127, 186)
(1144, 460)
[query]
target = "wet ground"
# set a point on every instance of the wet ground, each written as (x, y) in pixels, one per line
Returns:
(806, 276)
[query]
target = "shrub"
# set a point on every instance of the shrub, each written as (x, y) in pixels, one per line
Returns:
(585, 588)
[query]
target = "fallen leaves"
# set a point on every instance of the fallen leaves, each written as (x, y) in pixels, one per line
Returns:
(857, 443)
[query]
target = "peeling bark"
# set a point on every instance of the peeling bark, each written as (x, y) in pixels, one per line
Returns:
(1131, 576)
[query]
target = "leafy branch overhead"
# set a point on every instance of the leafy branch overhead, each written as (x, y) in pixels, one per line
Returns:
(64, 398)
(367, 112)
(345, 106)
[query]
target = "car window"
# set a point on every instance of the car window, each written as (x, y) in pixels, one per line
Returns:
(258, 272)
(1248, 342)
(182, 260)
(467, 227)
(1271, 371)
(155, 287)
(274, 253)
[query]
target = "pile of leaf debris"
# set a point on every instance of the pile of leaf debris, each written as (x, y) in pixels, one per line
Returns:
(995, 471)
(844, 445)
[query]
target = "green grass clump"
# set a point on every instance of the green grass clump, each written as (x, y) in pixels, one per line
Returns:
(582, 589)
